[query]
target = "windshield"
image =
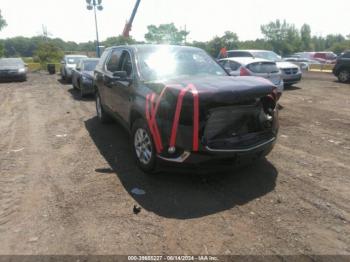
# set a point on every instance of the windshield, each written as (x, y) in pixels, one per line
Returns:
(11, 62)
(263, 68)
(238, 54)
(161, 63)
(268, 55)
(73, 60)
(90, 65)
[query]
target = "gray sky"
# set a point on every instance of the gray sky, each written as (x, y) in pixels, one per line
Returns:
(70, 20)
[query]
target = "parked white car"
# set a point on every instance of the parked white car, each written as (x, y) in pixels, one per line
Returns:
(68, 63)
(248, 66)
(291, 73)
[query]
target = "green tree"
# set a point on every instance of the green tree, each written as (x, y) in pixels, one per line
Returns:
(283, 37)
(1, 48)
(48, 53)
(333, 39)
(340, 47)
(118, 40)
(305, 34)
(165, 34)
(229, 41)
(255, 44)
(2, 22)
(2, 25)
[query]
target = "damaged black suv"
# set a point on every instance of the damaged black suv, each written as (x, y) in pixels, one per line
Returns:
(180, 106)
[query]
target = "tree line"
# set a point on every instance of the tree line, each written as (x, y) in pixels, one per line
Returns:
(279, 36)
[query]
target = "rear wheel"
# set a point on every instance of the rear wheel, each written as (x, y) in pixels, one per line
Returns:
(344, 76)
(143, 146)
(63, 75)
(82, 94)
(101, 113)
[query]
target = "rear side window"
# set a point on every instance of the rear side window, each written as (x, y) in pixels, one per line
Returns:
(234, 66)
(126, 64)
(225, 64)
(239, 54)
(263, 68)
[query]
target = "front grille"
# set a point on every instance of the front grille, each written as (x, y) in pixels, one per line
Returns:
(237, 127)
(290, 71)
(8, 72)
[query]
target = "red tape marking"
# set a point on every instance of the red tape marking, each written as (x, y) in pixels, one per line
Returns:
(152, 106)
(150, 125)
(195, 118)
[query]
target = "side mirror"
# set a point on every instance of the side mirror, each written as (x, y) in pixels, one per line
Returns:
(78, 69)
(120, 75)
(25, 65)
(62, 62)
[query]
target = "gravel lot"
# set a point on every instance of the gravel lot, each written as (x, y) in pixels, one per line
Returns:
(66, 182)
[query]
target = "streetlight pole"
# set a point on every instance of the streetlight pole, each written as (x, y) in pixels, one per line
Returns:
(92, 5)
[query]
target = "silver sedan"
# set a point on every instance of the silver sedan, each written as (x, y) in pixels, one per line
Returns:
(248, 66)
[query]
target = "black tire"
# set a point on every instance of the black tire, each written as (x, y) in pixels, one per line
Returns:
(63, 76)
(24, 79)
(82, 94)
(344, 76)
(101, 113)
(149, 166)
(81, 91)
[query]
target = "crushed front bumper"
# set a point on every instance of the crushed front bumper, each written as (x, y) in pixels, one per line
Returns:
(229, 135)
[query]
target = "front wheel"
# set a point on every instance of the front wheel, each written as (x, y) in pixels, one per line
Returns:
(344, 76)
(143, 147)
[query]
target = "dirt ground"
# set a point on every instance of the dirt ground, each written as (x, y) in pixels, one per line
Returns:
(66, 182)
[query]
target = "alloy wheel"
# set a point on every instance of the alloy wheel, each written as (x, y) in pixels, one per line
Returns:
(143, 146)
(98, 106)
(344, 76)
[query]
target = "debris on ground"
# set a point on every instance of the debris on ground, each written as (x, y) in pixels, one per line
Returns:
(136, 210)
(17, 150)
(61, 136)
(138, 191)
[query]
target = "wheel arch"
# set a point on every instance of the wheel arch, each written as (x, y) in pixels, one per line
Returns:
(135, 114)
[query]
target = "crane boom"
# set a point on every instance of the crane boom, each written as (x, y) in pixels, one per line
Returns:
(128, 25)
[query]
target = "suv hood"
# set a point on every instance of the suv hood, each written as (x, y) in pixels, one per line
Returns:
(221, 89)
(285, 65)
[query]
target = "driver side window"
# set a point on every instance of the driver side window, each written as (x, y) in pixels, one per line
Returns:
(126, 63)
(114, 61)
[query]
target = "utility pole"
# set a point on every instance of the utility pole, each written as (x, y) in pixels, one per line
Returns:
(93, 5)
